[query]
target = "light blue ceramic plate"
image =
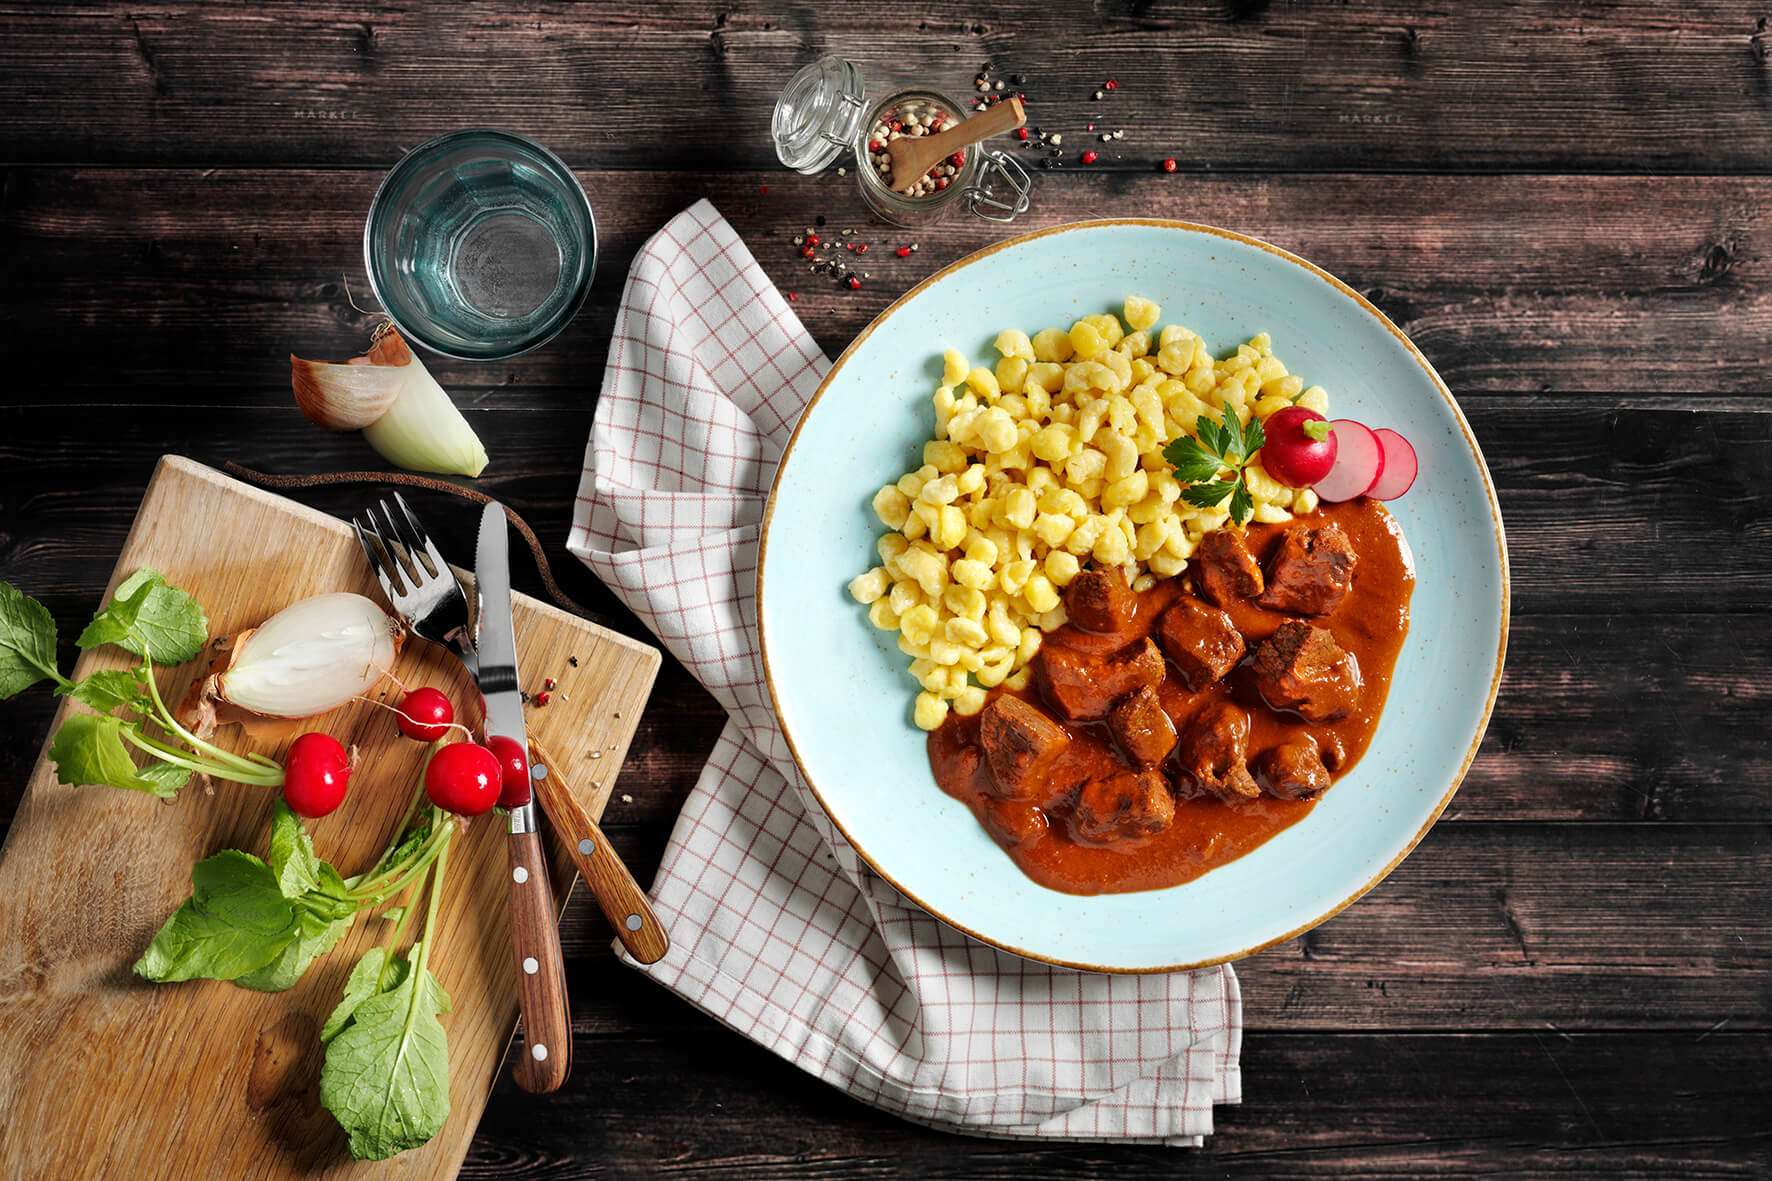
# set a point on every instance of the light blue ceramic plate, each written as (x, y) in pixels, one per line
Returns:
(841, 688)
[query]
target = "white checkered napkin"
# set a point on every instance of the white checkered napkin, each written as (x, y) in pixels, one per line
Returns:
(777, 928)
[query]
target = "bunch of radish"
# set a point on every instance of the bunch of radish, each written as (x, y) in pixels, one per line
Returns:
(1337, 460)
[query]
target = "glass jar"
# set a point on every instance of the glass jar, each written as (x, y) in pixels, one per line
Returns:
(824, 113)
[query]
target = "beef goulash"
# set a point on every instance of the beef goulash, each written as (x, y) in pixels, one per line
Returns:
(1170, 731)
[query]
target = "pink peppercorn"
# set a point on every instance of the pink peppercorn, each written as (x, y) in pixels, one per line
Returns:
(812, 239)
(1090, 157)
(805, 252)
(904, 252)
(1110, 84)
(763, 189)
(541, 699)
(1169, 164)
(861, 248)
(958, 159)
(854, 282)
(1021, 133)
(792, 297)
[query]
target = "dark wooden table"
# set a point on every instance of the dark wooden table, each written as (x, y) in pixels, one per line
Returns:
(1566, 206)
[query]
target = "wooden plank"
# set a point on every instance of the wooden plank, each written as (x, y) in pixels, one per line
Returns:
(1613, 521)
(1618, 510)
(1496, 925)
(1315, 1105)
(207, 281)
(89, 874)
(1631, 87)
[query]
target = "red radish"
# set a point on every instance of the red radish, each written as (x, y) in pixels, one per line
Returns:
(514, 762)
(1359, 461)
(425, 714)
(1300, 447)
(315, 775)
(1399, 466)
(464, 778)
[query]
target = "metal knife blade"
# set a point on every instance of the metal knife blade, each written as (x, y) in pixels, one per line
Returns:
(535, 934)
(497, 645)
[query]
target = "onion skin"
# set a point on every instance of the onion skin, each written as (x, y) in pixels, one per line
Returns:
(356, 393)
(391, 397)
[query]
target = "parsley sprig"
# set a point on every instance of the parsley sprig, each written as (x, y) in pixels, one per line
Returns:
(1224, 445)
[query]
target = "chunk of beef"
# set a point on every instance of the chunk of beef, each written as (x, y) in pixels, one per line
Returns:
(1201, 640)
(1099, 601)
(1293, 771)
(1311, 570)
(1084, 685)
(1302, 668)
(1141, 727)
(1224, 569)
(1123, 805)
(1215, 752)
(1020, 745)
(1015, 822)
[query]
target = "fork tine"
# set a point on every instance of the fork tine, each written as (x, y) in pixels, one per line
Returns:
(399, 549)
(368, 539)
(427, 547)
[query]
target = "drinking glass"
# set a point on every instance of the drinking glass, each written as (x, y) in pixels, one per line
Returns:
(480, 244)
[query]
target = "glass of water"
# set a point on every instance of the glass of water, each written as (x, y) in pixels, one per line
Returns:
(480, 244)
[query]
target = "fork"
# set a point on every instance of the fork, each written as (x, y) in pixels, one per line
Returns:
(419, 584)
(425, 591)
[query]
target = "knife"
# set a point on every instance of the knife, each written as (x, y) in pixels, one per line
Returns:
(535, 932)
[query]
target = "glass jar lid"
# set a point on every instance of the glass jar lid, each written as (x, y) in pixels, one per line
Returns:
(818, 114)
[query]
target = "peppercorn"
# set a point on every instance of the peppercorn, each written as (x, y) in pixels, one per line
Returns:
(813, 240)
(549, 683)
(904, 252)
(1110, 84)
(805, 252)
(1169, 164)
(958, 159)
(763, 189)
(792, 297)
(542, 698)
(1021, 133)
(1089, 157)
(854, 282)
(861, 248)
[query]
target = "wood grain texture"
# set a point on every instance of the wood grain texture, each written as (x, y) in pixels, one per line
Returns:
(1316, 1105)
(605, 877)
(1565, 205)
(90, 873)
(1661, 499)
(538, 968)
(1649, 285)
(1630, 86)
(1494, 925)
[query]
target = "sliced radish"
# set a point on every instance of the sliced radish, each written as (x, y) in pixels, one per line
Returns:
(1399, 466)
(1359, 461)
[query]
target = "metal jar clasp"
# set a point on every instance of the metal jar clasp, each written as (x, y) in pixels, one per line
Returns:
(1001, 193)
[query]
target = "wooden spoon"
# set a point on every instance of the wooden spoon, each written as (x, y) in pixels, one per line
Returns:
(914, 155)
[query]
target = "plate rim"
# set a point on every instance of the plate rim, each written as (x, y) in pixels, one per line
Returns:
(1506, 588)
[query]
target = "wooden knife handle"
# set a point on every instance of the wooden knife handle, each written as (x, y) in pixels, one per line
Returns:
(619, 896)
(541, 971)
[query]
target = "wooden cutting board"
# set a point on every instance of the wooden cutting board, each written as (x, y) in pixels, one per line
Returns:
(105, 1075)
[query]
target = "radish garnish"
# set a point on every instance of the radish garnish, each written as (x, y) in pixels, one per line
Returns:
(1399, 466)
(1359, 462)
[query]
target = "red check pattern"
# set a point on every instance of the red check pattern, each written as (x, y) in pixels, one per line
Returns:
(777, 928)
